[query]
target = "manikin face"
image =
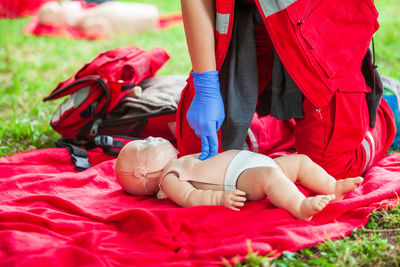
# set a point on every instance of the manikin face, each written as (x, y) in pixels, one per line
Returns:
(140, 164)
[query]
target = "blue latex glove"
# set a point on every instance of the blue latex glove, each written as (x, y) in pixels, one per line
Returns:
(206, 113)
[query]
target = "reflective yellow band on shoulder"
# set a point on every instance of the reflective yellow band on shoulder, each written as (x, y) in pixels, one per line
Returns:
(270, 7)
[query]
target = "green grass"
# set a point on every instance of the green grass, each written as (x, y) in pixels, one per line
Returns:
(30, 67)
(387, 42)
(377, 244)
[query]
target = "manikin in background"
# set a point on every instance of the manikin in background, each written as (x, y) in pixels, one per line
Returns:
(101, 20)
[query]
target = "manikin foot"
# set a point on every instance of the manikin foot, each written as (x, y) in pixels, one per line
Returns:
(347, 185)
(313, 205)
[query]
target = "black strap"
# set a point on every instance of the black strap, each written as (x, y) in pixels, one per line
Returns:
(372, 78)
(110, 144)
(374, 66)
(78, 155)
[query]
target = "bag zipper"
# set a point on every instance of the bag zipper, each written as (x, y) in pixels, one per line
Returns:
(137, 117)
(95, 127)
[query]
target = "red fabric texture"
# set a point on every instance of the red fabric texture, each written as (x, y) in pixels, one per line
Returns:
(321, 64)
(20, 8)
(168, 21)
(334, 137)
(33, 27)
(51, 215)
(268, 135)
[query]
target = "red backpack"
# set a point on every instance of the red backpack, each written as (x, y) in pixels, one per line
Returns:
(86, 116)
(97, 88)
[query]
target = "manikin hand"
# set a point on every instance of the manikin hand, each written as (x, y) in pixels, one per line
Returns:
(234, 199)
(206, 113)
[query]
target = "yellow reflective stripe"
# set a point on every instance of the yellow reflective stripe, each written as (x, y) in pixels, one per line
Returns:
(253, 140)
(222, 23)
(369, 148)
(270, 7)
(372, 141)
(365, 145)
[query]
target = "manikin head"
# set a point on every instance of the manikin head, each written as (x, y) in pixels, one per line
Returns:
(66, 13)
(140, 164)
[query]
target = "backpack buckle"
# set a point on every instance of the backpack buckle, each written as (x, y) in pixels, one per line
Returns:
(78, 155)
(81, 163)
(104, 140)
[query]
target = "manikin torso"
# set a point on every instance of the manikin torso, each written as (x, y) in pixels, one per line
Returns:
(206, 174)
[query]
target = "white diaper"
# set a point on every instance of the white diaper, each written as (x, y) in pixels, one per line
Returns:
(242, 161)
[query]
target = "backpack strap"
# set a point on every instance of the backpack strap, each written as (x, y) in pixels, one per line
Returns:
(373, 79)
(78, 155)
(112, 145)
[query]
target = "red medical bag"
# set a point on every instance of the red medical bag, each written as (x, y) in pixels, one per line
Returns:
(95, 90)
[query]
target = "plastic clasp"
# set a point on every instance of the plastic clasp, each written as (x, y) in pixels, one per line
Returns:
(81, 163)
(104, 140)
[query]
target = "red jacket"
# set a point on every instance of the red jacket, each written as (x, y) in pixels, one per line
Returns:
(303, 34)
(322, 44)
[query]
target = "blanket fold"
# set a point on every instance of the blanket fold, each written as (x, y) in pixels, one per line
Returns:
(52, 215)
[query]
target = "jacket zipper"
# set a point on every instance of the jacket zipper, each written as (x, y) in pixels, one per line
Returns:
(318, 110)
(299, 25)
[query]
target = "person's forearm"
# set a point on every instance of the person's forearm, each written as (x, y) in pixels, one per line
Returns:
(199, 21)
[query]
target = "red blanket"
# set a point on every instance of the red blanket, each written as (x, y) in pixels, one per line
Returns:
(20, 8)
(51, 215)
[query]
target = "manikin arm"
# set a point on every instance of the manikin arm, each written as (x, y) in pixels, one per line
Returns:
(185, 195)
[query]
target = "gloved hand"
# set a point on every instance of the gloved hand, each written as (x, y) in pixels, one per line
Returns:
(206, 113)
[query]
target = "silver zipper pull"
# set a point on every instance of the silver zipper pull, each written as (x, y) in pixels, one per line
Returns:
(300, 22)
(319, 112)
(95, 127)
